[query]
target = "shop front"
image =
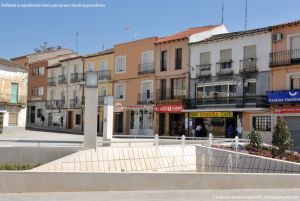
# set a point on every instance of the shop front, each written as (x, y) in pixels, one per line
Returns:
(141, 119)
(171, 119)
(220, 124)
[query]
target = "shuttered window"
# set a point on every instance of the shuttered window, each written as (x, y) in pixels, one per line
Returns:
(14, 93)
(103, 65)
(119, 91)
(225, 55)
(13, 119)
(295, 42)
(204, 58)
(178, 58)
(120, 64)
(250, 52)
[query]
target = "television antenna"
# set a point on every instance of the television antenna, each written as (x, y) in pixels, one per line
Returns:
(246, 15)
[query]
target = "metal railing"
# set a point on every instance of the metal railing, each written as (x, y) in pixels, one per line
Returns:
(165, 95)
(104, 75)
(56, 104)
(75, 103)
(286, 57)
(230, 102)
(248, 65)
(145, 98)
(203, 70)
(77, 77)
(62, 79)
(7, 98)
(224, 67)
(51, 81)
(146, 68)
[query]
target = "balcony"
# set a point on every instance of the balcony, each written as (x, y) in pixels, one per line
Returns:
(146, 68)
(170, 95)
(248, 65)
(227, 102)
(51, 81)
(224, 68)
(203, 70)
(75, 103)
(101, 100)
(77, 77)
(62, 79)
(145, 98)
(56, 104)
(9, 99)
(104, 75)
(282, 58)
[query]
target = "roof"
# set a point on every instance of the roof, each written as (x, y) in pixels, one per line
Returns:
(104, 52)
(232, 35)
(185, 34)
(72, 58)
(11, 64)
(47, 51)
(54, 65)
(292, 23)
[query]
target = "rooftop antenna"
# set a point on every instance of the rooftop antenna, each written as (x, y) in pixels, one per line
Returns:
(127, 30)
(222, 20)
(77, 34)
(102, 47)
(246, 15)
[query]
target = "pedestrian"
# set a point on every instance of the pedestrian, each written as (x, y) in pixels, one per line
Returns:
(230, 131)
(198, 130)
(43, 119)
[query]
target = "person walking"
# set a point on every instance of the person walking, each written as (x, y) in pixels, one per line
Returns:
(198, 130)
(43, 119)
(230, 131)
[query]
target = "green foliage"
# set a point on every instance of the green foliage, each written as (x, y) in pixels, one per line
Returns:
(256, 139)
(281, 140)
(18, 166)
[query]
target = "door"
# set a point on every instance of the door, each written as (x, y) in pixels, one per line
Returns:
(32, 114)
(70, 119)
(147, 61)
(163, 89)
(294, 127)
(1, 122)
(146, 90)
(119, 123)
(14, 93)
(161, 124)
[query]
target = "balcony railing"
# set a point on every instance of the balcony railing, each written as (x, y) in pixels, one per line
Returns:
(146, 68)
(227, 102)
(104, 75)
(248, 65)
(51, 81)
(101, 100)
(62, 79)
(75, 103)
(7, 98)
(203, 70)
(224, 67)
(55, 104)
(287, 57)
(145, 98)
(77, 77)
(170, 95)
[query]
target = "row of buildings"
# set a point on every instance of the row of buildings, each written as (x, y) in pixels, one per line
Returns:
(203, 75)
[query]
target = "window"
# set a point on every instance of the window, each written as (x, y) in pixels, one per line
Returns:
(103, 65)
(250, 88)
(295, 82)
(262, 123)
(178, 58)
(146, 90)
(90, 67)
(204, 58)
(78, 119)
(225, 59)
(147, 61)
(120, 91)
(163, 60)
(13, 119)
(120, 65)
(38, 71)
(250, 52)
(216, 91)
(39, 112)
(178, 87)
(37, 91)
(14, 93)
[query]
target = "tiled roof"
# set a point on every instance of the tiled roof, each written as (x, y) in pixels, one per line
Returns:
(72, 58)
(104, 52)
(47, 51)
(185, 34)
(292, 23)
(11, 64)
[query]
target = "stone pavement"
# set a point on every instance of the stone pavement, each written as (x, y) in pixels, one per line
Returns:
(180, 195)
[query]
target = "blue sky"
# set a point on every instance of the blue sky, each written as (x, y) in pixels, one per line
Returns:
(22, 30)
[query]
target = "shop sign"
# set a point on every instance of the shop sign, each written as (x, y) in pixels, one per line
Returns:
(168, 108)
(289, 96)
(139, 107)
(210, 114)
(286, 110)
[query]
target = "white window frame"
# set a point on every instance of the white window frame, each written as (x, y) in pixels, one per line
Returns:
(88, 66)
(144, 81)
(105, 61)
(289, 39)
(115, 89)
(145, 52)
(101, 89)
(124, 71)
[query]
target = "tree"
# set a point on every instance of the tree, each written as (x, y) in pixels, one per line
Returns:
(45, 48)
(281, 139)
(255, 138)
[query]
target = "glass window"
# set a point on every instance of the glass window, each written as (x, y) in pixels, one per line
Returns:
(262, 123)
(120, 64)
(216, 91)
(119, 89)
(295, 83)
(14, 93)
(250, 88)
(103, 65)
(178, 58)
(200, 93)
(163, 60)
(78, 119)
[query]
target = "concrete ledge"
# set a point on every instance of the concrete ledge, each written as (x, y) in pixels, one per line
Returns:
(15, 182)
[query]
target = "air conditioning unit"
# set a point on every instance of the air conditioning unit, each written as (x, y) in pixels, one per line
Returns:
(277, 37)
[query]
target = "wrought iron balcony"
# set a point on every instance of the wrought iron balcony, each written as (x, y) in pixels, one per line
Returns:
(62, 79)
(77, 77)
(224, 67)
(75, 103)
(170, 95)
(282, 58)
(203, 70)
(227, 102)
(9, 99)
(248, 65)
(145, 98)
(51, 81)
(104, 75)
(56, 104)
(146, 68)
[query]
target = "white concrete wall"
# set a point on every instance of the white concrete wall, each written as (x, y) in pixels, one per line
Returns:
(263, 48)
(206, 34)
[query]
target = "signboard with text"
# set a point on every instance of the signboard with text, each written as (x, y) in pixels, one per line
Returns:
(210, 114)
(284, 97)
(286, 110)
(168, 108)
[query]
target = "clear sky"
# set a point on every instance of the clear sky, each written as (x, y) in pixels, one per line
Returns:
(23, 29)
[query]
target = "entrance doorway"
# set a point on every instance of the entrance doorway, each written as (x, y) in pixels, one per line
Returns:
(1, 122)
(70, 119)
(162, 118)
(176, 126)
(119, 123)
(32, 114)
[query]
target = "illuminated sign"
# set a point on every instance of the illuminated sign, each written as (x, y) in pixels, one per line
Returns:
(168, 108)
(281, 97)
(210, 114)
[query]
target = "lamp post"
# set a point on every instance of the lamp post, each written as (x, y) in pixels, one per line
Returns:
(90, 112)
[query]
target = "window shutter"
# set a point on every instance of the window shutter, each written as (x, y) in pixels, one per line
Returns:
(295, 42)
(204, 58)
(225, 55)
(250, 52)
